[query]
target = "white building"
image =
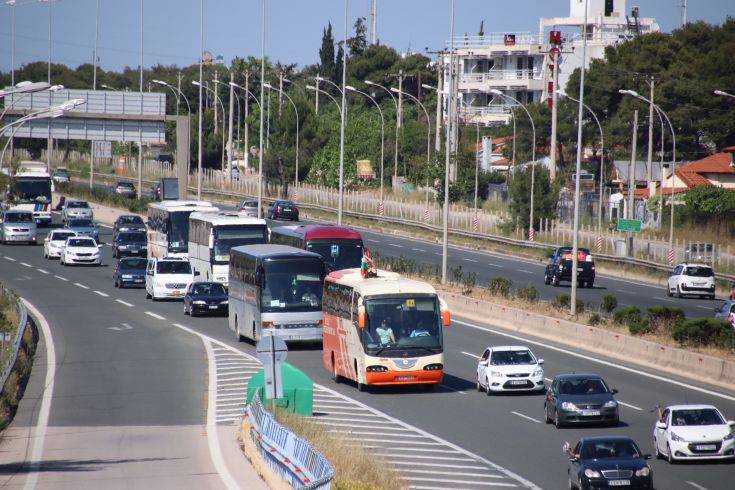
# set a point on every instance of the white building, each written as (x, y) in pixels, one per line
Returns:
(518, 64)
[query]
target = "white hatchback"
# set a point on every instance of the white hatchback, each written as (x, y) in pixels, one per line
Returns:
(80, 250)
(54, 242)
(693, 280)
(688, 432)
(168, 277)
(509, 368)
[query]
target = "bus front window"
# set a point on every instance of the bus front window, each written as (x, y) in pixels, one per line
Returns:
(400, 324)
(178, 231)
(32, 189)
(227, 237)
(292, 285)
(338, 254)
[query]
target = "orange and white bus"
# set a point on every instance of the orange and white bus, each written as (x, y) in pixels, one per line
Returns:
(384, 330)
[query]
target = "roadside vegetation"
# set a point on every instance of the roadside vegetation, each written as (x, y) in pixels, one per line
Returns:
(82, 191)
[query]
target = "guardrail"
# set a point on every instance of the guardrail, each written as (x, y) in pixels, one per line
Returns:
(17, 340)
(292, 457)
(454, 231)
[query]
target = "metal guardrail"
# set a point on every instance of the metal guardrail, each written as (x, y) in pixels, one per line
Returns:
(19, 332)
(292, 457)
(454, 231)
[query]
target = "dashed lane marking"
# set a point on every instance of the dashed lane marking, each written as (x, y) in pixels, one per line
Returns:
(524, 271)
(61, 278)
(81, 285)
(473, 356)
(696, 485)
(397, 245)
(155, 315)
(497, 265)
(630, 406)
(469, 260)
(42, 271)
(11, 259)
(104, 295)
(24, 264)
(418, 250)
(537, 421)
(129, 305)
(668, 300)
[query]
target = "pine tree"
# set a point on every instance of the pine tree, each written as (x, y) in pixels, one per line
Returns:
(358, 43)
(326, 52)
(337, 74)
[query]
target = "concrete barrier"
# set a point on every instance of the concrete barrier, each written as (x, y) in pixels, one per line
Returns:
(674, 360)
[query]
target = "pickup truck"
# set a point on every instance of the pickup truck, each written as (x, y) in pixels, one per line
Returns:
(560, 267)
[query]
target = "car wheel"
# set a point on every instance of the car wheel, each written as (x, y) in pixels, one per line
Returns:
(116, 284)
(669, 455)
(656, 452)
(711, 296)
(555, 281)
(668, 292)
(192, 313)
(547, 419)
(238, 336)
(557, 422)
(488, 391)
(335, 376)
(186, 312)
(547, 281)
(147, 295)
(591, 284)
(678, 292)
(479, 386)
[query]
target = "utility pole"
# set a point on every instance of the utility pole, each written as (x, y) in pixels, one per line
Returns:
(247, 114)
(96, 43)
(316, 95)
(228, 166)
(399, 121)
(683, 12)
(268, 121)
(554, 101)
(280, 93)
(374, 22)
(631, 181)
(178, 91)
(216, 96)
(439, 88)
(649, 163)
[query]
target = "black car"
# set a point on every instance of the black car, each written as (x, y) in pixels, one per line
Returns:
(560, 267)
(580, 398)
(130, 272)
(284, 210)
(205, 297)
(128, 243)
(128, 222)
(608, 461)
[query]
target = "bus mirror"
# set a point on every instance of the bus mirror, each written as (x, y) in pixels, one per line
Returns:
(211, 241)
(259, 277)
(446, 315)
(361, 320)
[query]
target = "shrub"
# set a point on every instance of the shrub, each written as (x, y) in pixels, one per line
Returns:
(609, 303)
(627, 315)
(640, 326)
(469, 282)
(457, 274)
(664, 318)
(595, 319)
(561, 302)
(705, 332)
(528, 293)
(500, 286)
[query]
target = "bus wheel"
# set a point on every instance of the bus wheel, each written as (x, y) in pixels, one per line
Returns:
(238, 337)
(360, 386)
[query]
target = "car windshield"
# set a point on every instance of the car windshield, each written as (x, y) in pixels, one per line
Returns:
(338, 254)
(78, 204)
(249, 204)
(695, 271)
(81, 242)
(511, 357)
(173, 267)
(19, 217)
(228, 236)
(582, 386)
(209, 289)
(130, 220)
(696, 416)
(293, 284)
(402, 322)
(63, 173)
(618, 449)
(127, 185)
(131, 237)
(81, 223)
(61, 236)
(137, 263)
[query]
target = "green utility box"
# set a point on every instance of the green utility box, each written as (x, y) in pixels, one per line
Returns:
(298, 391)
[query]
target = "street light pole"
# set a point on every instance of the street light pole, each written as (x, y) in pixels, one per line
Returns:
(724, 94)
(222, 106)
(262, 95)
(342, 126)
(382, 140)
(398, 127)
(229, 129)
(201, 91)
(437, 124)
(447, 150)
(96, 45)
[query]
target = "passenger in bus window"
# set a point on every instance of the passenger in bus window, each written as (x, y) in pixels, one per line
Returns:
(420, 331)
(385, 333)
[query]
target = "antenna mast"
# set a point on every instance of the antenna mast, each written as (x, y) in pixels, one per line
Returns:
(683, 12)
(373, 21)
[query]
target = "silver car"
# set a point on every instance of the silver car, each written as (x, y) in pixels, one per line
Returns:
(249, 207)
(74, 209)
(723, 311)
(18, 226)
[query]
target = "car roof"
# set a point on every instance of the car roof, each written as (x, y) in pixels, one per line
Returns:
(577, 376)
(605, 438)
(197, 283)
(690, 407)
(77, 237)
(495, 348)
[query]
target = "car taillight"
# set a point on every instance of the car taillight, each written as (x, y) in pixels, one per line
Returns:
(296, 210)
(278, 209)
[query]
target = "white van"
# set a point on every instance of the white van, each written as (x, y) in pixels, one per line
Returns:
(167, 277)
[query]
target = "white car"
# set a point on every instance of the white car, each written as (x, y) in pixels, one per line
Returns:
(80, 250)
(509, 368)
(692, 279)
(687, 432)
(167, 277)
(54, 242)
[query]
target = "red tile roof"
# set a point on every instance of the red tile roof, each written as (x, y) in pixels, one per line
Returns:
(693, 174)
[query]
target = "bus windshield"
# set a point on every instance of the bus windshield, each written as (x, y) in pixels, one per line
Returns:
(338, 254)
(397, 324)
(178, 231)
(30, 189)
(230, 236)
(292, 285)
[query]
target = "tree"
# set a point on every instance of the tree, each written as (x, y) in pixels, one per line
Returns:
(337, 74)
(358, 42)
(326, 52)
(546, 195)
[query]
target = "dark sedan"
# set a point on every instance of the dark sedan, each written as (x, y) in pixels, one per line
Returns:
(284, 210)
(608, 461)
(130, 272)
(204, 298)
(128, 243)
(580, 398)
(128, 222)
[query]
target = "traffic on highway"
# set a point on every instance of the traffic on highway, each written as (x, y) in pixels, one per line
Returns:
(391, 343)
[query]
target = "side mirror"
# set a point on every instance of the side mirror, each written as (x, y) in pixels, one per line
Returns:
(483, 363)
(540, 361)
(197, 273)
(99, 246)
(731, 423)
(661, 425)
(149, 273)
(361, 317)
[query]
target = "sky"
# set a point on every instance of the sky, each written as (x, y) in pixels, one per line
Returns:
(293, 27)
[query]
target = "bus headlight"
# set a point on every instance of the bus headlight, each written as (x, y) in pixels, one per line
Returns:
(434, 367)
(377, 369)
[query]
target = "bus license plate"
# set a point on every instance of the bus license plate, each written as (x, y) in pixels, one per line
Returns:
(405, 378)
(618, 483)
(176, 293)
(580, 269)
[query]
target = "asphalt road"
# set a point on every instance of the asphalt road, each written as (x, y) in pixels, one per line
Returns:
(507, 430)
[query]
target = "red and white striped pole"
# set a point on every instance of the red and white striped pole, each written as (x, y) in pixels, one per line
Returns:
(599, 243)
(672, 256)
(530, 233)
(426, 214)
(475, 224)
(381, 208)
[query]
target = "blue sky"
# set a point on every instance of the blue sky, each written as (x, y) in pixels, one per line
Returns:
(232, 27)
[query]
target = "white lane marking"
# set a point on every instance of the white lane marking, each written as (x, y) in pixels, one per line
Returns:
(461, 482)
(418, 249)
(696, 485)
(373, 240)
(154, 315)
(39, 432)
(524, 271)
(104, 295)
(453, 389)
(471, 355)
(600, 361)
(664, 299)
(212, 436)
(548, 379)
(125, 326)
(24, 264)
(630, 406)
(81, 285)
(9, 258)
(497, 265)
(442, 465)
(61, 278)
(129, 305)
(624, 291)
(537, 421)
(704, 307)
(395, 245)
(43, 271)
(449, 473)
(417, 456)
(469, 260)
(105, 226)
(438, 253)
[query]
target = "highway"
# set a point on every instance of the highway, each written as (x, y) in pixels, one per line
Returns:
(508, 431)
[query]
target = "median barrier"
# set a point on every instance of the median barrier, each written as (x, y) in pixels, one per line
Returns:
(681, 362)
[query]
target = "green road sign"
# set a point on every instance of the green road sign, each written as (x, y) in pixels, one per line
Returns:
(631, 225)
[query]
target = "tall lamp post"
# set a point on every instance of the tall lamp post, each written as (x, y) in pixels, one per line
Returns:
(217, 99)
(533, 155)
(447, 148)
(342, 127)
(296, 111)
(320, 91)
(262, 98)
(382, 140)
(248, 94)
(180, 95)
(398, 126)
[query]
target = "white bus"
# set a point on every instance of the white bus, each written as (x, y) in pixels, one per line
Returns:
(30, 190)
(276, 290)
(168, 226)
(211, 236)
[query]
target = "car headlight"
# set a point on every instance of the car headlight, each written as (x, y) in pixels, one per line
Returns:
(538, 372)
(569, 406)
(127, 276)
(676, 438)
(592, 473)
(122, 247)
(645, 471)
(610, 404)
(728, 437)
(496, 374)
(225, 302)
(200, 302)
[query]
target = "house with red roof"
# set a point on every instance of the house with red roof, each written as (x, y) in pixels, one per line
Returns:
(717, 170)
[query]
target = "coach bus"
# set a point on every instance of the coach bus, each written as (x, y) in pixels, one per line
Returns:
(30, 190)
(212, 235)
(275, 290)
(168, 226)
(384, 330)
(341, 247)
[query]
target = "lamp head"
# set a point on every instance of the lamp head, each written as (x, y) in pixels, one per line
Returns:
(561, 93)
(194, 82)
(319, 77)
(233, 84)
(495, 91)
(310, 87)
(267, 85)
(720, 92)
(350, 88)
(428, 87)
(159, 82)
(56, 88)
(368, 82)
(393, 89)
(629, 92)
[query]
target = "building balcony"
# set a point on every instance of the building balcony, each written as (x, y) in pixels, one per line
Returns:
(485, 115)
(531, 80)
(497, 39)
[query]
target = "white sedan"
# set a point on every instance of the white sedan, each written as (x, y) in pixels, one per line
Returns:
(509, 368)
(54, 243)
(81, 250)
(688, 432)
